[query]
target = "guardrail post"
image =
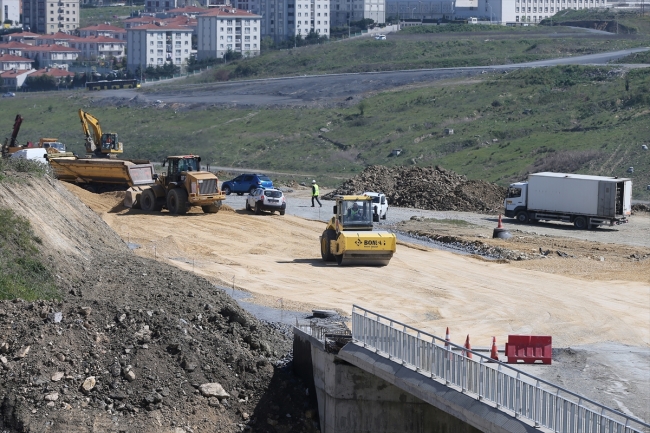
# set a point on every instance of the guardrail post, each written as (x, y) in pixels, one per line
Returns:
(418, 354)
(481, 377)
(390, 340)
(518, 396)
(537, 404)
(499, 387)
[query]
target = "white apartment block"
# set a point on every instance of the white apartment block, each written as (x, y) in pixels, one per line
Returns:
(154, 45)
(287, 18)
(10, 11)
(507, 12)
(49, 17)
(226, 28)
(356, 10)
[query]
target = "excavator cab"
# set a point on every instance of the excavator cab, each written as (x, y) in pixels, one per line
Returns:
(110, 143)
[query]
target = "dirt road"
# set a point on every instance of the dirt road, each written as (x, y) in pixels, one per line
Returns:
(277, 258)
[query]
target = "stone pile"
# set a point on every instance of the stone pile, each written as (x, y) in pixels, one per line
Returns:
(430, 188)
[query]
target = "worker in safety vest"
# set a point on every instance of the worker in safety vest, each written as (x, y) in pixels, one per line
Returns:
(315, 193)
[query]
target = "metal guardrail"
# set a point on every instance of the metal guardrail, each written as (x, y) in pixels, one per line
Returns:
(512, 391)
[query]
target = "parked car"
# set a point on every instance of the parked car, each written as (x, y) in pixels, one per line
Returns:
(266, 199)
(379, 205)
(8, 95)
(246, 183)
(380, 37)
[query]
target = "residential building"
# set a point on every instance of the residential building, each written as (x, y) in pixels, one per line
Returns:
(14, 78)
(154, 45)
(282, 19)
(226, 28)
(344, 11)
(9, 62)
(24, 37)
(103, 30)
(99, 47)
(52, 55)
(59, 75)
(14, 48)
(507, 12)
(153, 6)
(10, 11)
(50, 16)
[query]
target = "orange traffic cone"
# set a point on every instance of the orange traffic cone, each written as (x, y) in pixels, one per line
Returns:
(500, 226)
(467, 352)
(447, 339)
(493, 353)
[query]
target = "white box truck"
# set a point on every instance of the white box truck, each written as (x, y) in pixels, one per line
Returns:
(586, 201)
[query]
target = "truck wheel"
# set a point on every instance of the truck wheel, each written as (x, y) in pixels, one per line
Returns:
(248, 207)
(522, 216)
(384, 215)
(375, 218)
(212, 208)
(148, 201)
(580, 223)
(325, 242)
(177, 201)
(258, 208)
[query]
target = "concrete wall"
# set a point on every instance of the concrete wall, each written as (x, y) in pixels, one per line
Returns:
(351, 400)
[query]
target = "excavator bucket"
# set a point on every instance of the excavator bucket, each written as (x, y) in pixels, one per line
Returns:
(364, 248)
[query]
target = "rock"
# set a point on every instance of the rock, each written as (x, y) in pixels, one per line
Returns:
(88, 384)
(245, 416)
(116, 369)
(214, 402)
(85, 311)
(55, 317)
(143, 335)
(213, 390)
(60, 357)
(129, 375)
(22, 352)
(53, 396)
(57, 376)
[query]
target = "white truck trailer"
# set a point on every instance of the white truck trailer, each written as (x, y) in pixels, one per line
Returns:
(586, 201)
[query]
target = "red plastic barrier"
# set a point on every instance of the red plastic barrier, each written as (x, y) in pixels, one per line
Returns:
(529, 349)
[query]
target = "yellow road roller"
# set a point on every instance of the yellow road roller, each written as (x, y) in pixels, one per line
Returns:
(349, 238)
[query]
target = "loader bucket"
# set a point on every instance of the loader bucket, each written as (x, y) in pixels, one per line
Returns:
(131, 198)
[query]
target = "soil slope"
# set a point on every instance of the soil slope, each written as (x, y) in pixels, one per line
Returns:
(132, 341)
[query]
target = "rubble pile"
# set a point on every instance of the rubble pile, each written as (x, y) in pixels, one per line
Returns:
(431, 188)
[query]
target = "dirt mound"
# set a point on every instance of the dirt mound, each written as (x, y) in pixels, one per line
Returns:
(432, 188)
(134, 344)
(640, 208)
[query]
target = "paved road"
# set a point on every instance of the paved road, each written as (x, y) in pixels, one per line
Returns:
(332, 89)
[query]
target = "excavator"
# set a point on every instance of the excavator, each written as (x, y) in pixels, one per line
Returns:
(349, 238)
(98, 144)
(11, 144)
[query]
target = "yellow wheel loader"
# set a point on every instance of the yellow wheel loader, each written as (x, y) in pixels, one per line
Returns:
(183, 185)
(349, 238)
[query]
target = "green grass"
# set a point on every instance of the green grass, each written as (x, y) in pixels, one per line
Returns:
(99, 15)
(420, 51)
(629, 22)
(22, 272)
(570, 118)
(19, 165)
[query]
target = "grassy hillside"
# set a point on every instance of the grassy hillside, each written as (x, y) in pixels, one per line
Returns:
(575, 119)
(90, 16)
(629, 22)
(414, 52)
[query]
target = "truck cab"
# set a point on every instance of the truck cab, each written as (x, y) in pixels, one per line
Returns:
(515, 201)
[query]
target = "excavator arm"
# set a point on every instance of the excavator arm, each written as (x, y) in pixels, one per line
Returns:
(14, 133)
(94, 139)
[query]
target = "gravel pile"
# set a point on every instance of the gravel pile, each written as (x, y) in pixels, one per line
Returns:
(431, 188)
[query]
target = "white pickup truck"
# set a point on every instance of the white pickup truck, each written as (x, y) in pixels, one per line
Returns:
(379, 205)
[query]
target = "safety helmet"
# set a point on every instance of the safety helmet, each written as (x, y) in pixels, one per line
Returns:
(313, 181)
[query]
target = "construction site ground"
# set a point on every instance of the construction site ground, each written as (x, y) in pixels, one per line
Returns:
(589, 290)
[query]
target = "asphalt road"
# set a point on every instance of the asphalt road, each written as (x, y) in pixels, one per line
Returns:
(333, 89)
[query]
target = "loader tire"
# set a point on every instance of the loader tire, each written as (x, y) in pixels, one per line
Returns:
(325, 242)
(177, 201)
(212, 208)
(148, 201)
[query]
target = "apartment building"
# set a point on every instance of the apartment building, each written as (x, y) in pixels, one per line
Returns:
(227, 28)
(288, 18)
(49, 17)
(154, 45)
(103, 30)
(9, 62)
(356, 10)
(10, 11)
(508, 12)
(52, 55)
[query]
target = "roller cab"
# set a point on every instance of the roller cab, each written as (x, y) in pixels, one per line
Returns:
(349, 238)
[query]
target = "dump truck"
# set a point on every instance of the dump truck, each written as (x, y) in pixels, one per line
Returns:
(183, 185)
(584, 200)
(349, 238)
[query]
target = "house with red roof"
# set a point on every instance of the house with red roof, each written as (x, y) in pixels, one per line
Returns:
(100, 47)
(227, 28)
(24, 37)
(14, 48)
(9, 62)
(157, 44)
(58, 74)
(52, 55)
(14, 78)
(107, 30)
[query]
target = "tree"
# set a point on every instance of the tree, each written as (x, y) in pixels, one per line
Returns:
(42, 82)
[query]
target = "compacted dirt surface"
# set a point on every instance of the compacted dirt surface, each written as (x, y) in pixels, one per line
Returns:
(148, 297)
